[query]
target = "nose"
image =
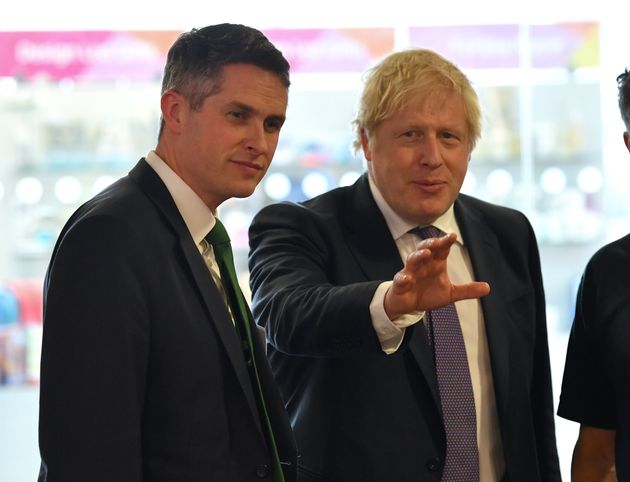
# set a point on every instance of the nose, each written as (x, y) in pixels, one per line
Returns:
(256, 141)
(429, 152)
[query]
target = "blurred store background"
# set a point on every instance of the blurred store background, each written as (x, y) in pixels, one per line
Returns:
(79, 105)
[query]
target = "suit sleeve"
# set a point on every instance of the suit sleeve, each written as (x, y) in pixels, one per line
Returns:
(303, 290)
(94, 355)
(542, 392)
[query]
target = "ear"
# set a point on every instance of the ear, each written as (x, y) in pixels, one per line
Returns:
(626, 139)
(365, 144)
(173, 106)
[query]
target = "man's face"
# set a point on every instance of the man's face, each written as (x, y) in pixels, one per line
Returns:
(224, 149)
(418, 157)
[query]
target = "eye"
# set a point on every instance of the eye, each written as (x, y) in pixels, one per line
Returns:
(273, 124)
(238, 114)
(449, 136)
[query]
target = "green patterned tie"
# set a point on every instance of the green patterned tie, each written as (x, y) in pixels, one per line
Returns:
(220, 241)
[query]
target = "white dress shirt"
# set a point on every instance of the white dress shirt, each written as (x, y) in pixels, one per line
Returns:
(391, 333)
(197, 215)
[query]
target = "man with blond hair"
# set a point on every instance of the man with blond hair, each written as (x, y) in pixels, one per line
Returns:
(394, 364)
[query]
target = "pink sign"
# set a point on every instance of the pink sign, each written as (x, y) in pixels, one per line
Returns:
(563, 45)
(84, 55)
(141, 55)
(332, 50)
(471, 46)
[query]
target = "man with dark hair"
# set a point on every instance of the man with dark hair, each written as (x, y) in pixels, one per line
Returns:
(151, 366)
(596, 383)
(391, 368)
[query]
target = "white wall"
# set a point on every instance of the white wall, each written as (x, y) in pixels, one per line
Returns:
(184, 14)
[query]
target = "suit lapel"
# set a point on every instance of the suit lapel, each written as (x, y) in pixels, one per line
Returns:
(369, 238)
(376, 253)
(483, 246)
(155, 189)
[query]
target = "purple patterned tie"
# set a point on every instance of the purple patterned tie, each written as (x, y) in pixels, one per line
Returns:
(456, 394)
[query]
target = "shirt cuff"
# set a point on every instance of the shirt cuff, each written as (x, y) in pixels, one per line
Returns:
(390, 333)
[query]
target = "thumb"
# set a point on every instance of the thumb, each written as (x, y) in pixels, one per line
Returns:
(476, 289)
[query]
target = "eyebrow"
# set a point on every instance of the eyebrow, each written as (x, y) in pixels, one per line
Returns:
(250, 110)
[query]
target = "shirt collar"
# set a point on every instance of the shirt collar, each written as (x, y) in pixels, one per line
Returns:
(398, 226)
(198, 217)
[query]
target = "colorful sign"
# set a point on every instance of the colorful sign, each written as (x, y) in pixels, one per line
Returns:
(140, 56)
(84, 55)
(569, 45)
(332, 50)
(563, 45)
(471, 46)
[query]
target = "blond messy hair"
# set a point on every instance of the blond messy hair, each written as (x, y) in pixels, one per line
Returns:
(391, 84)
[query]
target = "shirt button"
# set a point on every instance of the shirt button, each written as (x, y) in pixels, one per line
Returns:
(262, 471)
(434, 464)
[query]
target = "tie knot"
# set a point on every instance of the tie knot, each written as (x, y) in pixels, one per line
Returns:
(428, 232)
(218, 234)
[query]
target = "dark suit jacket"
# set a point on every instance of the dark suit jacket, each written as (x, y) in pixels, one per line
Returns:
(361, 415)
(143, 375)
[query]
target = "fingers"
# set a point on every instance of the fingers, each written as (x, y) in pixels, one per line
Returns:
(440, 247)
(428, 250)
(476, 289)
(402, 282)
(418, 258)
(408, 279)
(434, 243)
(424, 283)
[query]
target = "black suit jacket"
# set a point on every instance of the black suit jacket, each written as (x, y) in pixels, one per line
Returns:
(361, 415)
(143, 375)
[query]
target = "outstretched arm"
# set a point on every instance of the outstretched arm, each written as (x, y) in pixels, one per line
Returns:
(312, 287)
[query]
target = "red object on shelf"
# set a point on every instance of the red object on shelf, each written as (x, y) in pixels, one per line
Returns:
(20, 343)
(30, 299)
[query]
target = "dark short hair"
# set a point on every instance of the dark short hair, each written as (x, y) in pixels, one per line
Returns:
(195, 61)
(623, 82)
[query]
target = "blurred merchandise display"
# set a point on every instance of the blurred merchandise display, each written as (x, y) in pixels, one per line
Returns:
(80, 108)
(20, 331)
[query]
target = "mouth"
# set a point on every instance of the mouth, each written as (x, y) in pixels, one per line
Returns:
(430, 186)
(429, 182)
(248, 165)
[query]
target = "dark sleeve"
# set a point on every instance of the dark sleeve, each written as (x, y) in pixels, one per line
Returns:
(94, 353)
(304, 288)
(542, 392)
(587, 395)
